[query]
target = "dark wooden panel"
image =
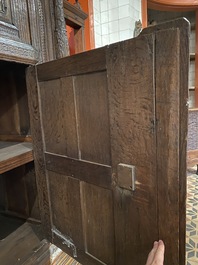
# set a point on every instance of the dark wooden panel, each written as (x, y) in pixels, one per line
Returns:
(184, 26)
(98, 223)
(16, 193)
(93, 119)
(9, 114)
(66, 216)
(168, 139)
(91, 61)
(58, 117)
(14, 117)
(36, 131)
(22, 100)
(96, 174)
(132, 117)
(32, 194)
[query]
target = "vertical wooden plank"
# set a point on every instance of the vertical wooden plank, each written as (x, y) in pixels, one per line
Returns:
(167, 109)
(92, 117)
(37, 136)
(59, 117)
(65, 201)
(98, 223)
(184, 27)
(32, 194)
(183, 112)
(133, 142)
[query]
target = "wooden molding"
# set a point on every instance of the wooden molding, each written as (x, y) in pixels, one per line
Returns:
(11, 50)
(75, 17)
(9, 31)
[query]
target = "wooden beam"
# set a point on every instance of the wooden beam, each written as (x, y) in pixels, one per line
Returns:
(82, 170)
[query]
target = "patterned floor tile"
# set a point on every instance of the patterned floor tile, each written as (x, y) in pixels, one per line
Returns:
(192, 220)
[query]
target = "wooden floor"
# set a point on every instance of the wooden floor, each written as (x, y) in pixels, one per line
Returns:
(26, 246)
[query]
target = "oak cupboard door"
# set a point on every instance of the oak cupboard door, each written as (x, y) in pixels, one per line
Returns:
(109, 129)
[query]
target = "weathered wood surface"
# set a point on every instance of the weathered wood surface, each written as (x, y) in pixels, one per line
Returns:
(120, 97)
(89, 62)
(133, 136)
(184, 35)
(35, 121)
(96, 174)
(168, 119)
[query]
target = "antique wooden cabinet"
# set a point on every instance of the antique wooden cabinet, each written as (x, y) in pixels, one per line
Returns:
(31, 31)
(109, 130)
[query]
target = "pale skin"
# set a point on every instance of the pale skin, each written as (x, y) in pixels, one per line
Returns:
(156, 256)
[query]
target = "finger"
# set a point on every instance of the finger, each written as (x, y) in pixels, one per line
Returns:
(152, 253)
(159, 254)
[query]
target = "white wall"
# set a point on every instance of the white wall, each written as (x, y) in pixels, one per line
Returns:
(114, 20)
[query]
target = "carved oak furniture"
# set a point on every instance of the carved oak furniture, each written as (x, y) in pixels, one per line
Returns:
(29, 33)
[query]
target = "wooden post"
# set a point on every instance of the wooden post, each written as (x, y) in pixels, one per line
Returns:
(61, 41)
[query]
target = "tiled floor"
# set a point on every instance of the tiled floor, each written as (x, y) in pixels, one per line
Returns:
(192, 219)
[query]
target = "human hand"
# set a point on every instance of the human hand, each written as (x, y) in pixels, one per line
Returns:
(156, 256)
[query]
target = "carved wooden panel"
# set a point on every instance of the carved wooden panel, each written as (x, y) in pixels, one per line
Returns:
(20, 19)
(5, 13)
(32, 31)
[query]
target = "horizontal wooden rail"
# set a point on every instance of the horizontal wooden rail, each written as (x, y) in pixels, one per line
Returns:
(86, 171)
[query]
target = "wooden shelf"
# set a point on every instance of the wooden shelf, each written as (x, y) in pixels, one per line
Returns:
(14, 154)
